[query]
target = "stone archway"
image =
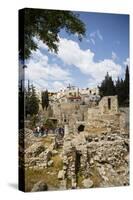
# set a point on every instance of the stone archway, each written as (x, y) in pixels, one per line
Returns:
(81, 128)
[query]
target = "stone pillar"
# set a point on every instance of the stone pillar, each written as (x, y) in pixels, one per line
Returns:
(83, 162)
(66, 129)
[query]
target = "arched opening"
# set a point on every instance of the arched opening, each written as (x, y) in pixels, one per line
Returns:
(81, 128)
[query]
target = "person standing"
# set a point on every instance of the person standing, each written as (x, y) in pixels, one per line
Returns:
(38, 130)
(42, 130)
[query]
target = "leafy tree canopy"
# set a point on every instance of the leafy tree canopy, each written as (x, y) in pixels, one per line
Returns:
(46, 24)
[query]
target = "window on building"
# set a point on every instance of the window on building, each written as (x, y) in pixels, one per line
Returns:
(109, 103)
(81, 128)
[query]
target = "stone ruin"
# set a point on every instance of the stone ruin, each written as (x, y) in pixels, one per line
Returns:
(106, 117)
(94, 150)
(97, 156)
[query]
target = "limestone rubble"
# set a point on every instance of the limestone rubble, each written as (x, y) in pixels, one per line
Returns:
(97, 156)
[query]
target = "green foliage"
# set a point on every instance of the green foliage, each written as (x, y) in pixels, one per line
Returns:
(126, 83)
(46, 25)
(120, 88)
(31, 101)
(107, 86)
(45, 99)
(21, 105)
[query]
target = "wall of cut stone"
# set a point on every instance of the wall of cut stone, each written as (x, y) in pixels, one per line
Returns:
(69, 113)
(109, 105)
(102, 159)
(106, 117)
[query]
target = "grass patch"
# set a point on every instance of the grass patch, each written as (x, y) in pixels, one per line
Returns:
(48, 175)
(69, 183)
(33, 176)
(46, 140)
(95, 177)
(80, 178)
(58, 163)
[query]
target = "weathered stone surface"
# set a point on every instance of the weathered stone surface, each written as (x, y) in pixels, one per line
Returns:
(87, 183)
(50, 163)
(54, 152)
(39, 186)
(61, 175)
(99, 155)
(35, 149)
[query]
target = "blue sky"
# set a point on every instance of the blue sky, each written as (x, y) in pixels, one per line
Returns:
(114, 29)
(84, 64)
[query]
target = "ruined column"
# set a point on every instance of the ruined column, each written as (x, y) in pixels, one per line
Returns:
(66, 129)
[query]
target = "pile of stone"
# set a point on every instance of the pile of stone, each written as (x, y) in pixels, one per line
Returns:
(106, 153)
(37, 155)
(40, 186)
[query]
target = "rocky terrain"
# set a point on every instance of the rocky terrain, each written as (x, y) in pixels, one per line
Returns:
(95, 156)
(82, 161)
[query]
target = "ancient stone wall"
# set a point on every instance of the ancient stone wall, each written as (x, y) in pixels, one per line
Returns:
(106, 117)
(70, 113)
(98, 155)
(109, 105)
(96, 160)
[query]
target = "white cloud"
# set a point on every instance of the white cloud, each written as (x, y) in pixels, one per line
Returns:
(94, 35)
(40, 43)
(42, 73)
(99, 35)
(58, 85)
(127, 62)
(71, 54)
(114, 55)
(93, 41)
(88, 41)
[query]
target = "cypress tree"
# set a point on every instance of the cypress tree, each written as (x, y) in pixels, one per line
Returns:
(107, 87)
(31, 101)
(34, 102)
(126, 84)
(45, 99)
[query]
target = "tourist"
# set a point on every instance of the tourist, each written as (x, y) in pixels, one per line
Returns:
(37, 129)
(42, 130)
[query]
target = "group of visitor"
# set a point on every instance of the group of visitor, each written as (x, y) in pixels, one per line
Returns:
(40, 131)
(43, 131)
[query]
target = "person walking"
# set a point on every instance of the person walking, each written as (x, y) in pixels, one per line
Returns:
(38, 130)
